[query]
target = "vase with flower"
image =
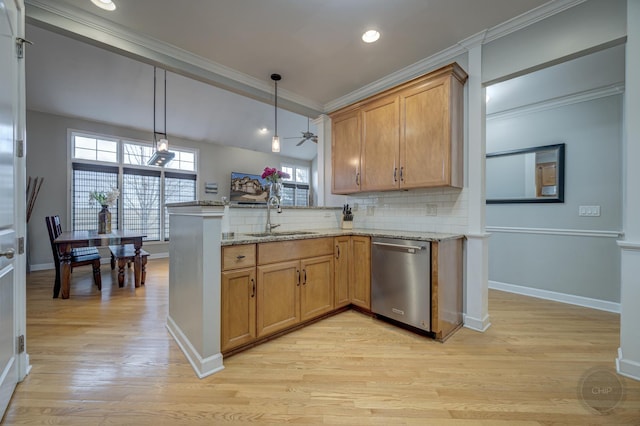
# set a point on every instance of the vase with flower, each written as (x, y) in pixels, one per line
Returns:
(274, 178)
(105, 199)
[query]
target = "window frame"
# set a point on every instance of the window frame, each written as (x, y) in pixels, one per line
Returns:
(121, 166)
(293, 181)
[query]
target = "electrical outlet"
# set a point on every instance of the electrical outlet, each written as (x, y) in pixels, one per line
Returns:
(591, 211)
(371, 210)
(355, 207)
(432, 210)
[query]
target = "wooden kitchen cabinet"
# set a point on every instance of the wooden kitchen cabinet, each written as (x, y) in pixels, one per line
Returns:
(278, 297)
(446, 287)
(380, 154)
(294, 281)
(345, 152)
(342, 263)
(431, 133)
(352, 271)
(316, 290)
(238, 297)
(411, 136)
(360, 278)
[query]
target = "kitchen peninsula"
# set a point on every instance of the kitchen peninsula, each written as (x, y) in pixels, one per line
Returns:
(200, 258)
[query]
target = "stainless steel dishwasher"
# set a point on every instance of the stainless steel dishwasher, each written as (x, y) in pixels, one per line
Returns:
(401, 281)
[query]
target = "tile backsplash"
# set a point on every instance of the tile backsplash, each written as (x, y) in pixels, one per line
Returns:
(422, 210)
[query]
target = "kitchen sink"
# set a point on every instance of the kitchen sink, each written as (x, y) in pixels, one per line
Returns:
(278, 234)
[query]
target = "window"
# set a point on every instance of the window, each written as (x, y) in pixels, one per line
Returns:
(296, 189)
(102, 163)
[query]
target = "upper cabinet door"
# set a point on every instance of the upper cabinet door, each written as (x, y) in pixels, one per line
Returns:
(345, 153)
(425, 135)
(380, 146)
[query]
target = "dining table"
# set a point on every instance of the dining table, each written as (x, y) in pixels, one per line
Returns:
(69, 240)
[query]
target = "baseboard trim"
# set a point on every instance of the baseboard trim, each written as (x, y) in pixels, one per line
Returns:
(626, 367)
(203, 367)
(587, 302)
(477, 324)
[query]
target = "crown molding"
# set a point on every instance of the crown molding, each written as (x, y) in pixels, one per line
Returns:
(587, 95)
(428, 64)
(529, 18)
(107, 34)
(405, 74)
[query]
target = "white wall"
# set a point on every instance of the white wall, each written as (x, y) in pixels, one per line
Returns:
(47, 157)
(586, 266)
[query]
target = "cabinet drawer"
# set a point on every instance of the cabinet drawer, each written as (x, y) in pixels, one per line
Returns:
(234, 257)
(281, 251)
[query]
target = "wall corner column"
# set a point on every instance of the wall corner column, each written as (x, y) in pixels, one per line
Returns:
(628, 359)
(194, 319)
(476, 306)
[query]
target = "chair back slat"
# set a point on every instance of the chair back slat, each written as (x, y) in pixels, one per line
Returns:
(54, 229)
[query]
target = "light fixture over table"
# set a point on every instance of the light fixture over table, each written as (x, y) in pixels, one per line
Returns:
(275, 142)
(162, 155)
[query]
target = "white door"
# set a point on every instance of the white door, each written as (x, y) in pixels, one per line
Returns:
(12, 271)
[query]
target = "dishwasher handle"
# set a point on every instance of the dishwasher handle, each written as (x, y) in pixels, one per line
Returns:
(400, 246)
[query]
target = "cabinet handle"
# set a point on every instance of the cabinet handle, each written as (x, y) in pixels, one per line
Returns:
(358, 179)
(402, 174)
(395, 174)
(253, 287)
(305, 276)
(298, 271)
(240, 256)
(338, 249)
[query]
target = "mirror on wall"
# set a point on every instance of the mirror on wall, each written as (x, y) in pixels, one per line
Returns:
(530, 175)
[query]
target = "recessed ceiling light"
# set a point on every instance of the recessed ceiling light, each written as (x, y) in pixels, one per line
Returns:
(105, 4)
(370, 36)
(263, 130)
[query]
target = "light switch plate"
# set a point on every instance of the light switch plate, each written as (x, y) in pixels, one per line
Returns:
(432, 210)
(591, 211)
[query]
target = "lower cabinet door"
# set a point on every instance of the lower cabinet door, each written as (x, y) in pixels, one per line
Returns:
(278, 297)
(360, 284)
(238, 308)
(316, 291)
(341, 269)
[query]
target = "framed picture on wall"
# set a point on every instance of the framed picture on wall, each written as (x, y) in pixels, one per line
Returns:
(248, 189)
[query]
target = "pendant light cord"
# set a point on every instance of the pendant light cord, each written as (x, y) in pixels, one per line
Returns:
(155, 85)
(276, 109)
(154, 104)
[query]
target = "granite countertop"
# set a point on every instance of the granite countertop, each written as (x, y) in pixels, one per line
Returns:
(320, 233)
(216, 203)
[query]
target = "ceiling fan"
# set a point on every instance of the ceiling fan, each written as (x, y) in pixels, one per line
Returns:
(306, 136)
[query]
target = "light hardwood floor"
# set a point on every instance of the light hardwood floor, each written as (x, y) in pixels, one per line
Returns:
(107, 359)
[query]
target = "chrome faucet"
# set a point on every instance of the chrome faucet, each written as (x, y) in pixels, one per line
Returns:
(273, 201)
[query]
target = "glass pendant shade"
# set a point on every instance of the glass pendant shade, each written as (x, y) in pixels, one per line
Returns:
(275, 144)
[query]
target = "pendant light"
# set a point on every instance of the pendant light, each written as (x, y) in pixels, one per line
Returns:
(162, 155)
(275, 142)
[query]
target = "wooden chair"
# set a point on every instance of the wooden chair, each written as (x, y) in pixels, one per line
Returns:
(125, 254)
(79, 257)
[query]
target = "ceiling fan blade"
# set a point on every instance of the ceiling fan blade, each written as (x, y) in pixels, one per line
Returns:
(301, 142)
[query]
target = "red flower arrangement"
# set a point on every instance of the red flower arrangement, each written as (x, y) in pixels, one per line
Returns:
(274, 175)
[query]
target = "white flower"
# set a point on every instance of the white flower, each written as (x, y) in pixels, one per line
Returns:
(105, 199)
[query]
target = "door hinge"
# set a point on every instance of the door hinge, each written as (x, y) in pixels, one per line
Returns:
(21, 245)
(20, 148)
(20, 46)
(21, 343)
